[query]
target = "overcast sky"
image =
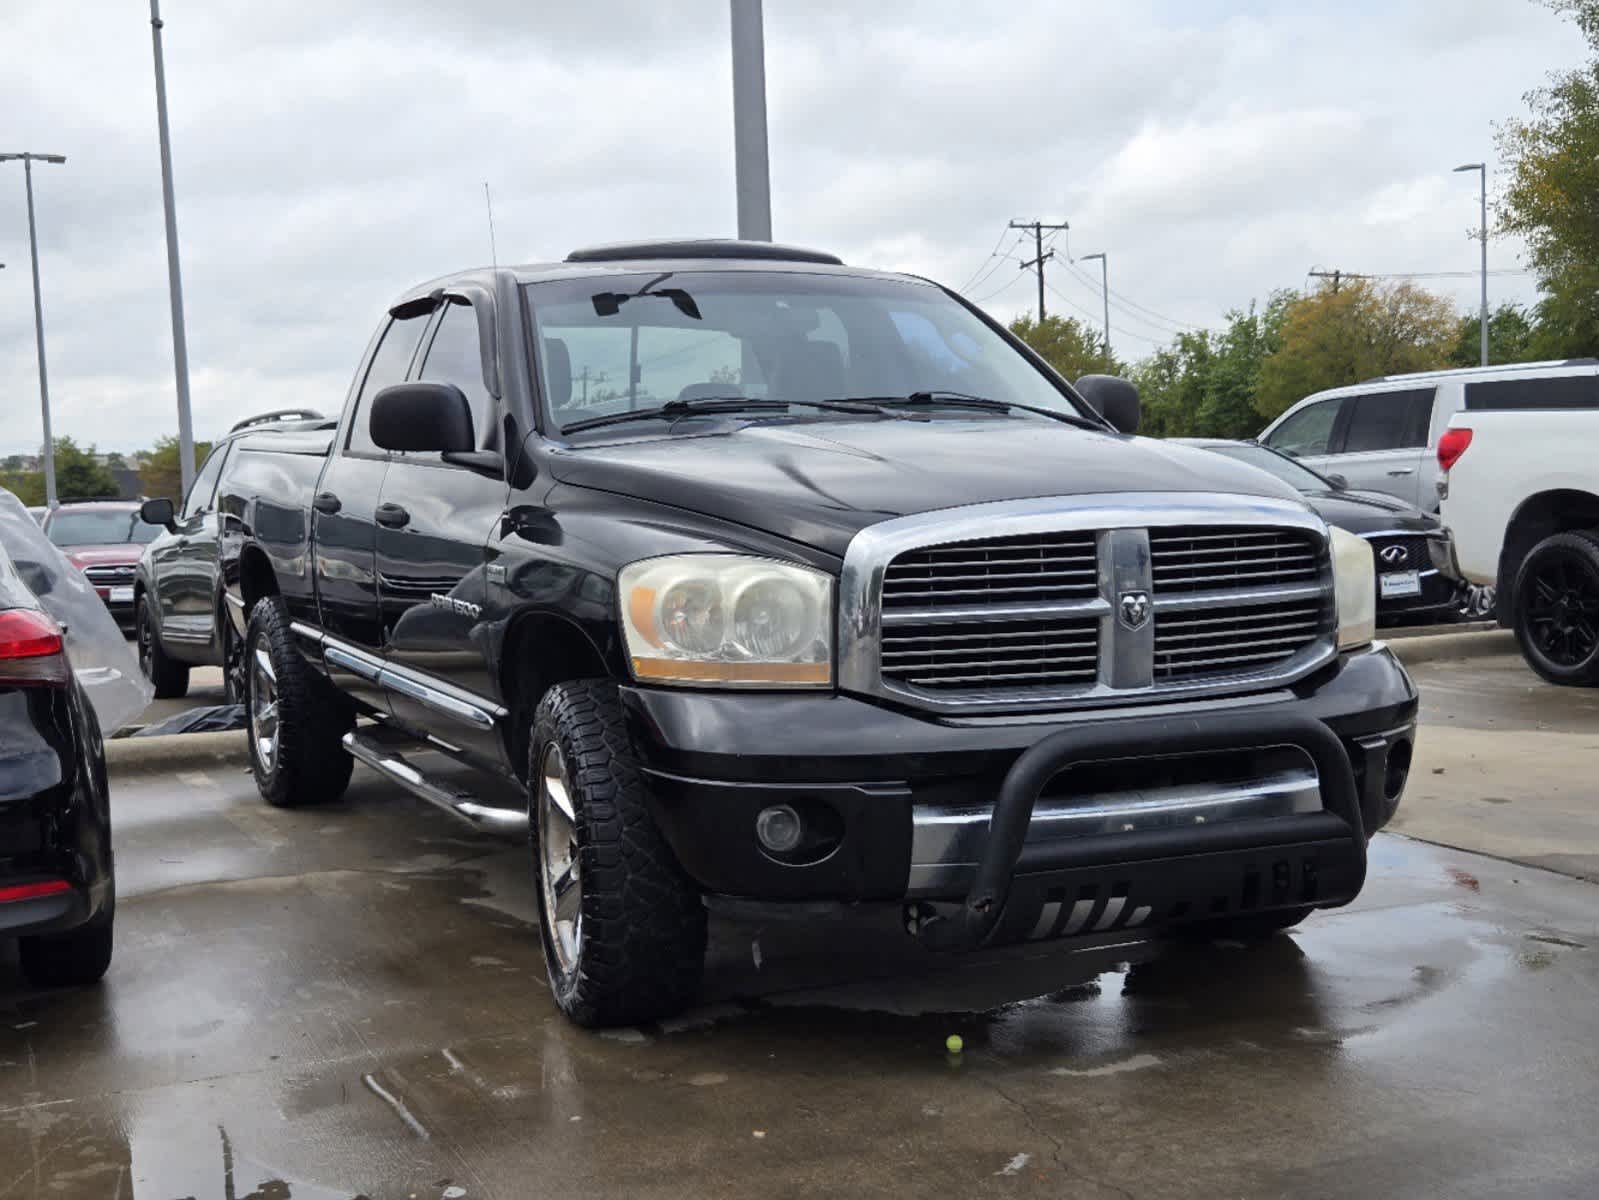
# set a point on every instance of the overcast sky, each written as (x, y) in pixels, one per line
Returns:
(328, 155)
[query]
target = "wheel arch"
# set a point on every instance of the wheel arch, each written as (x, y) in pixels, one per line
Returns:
(257, 579)
(541, 649)
(1555, 510)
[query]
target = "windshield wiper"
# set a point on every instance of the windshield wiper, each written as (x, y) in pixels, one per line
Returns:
(673, 409)
(967, 400)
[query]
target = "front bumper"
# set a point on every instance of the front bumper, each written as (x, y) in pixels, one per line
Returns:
(890, 781)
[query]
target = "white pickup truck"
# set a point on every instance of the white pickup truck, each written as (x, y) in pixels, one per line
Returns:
(1521, 499)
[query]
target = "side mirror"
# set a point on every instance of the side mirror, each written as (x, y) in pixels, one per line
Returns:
(159, 512)
(1339, 483)
(422, 416)
(1112, 398)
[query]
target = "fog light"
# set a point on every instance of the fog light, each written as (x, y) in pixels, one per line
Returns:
(779, 828)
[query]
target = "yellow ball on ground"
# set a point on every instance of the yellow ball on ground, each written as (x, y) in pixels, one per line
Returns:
(954, 1044)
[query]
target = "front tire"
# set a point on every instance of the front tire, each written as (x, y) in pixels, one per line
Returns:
(1555, 608)
(623, 926)
(295, 718)
(169, 677)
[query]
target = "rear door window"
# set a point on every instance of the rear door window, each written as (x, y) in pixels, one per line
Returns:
(1389, 421)
(1308, 431)
(390, 362)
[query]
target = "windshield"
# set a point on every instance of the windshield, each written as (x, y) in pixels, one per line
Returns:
(1284, 468)
(100, 527)
(619, 343)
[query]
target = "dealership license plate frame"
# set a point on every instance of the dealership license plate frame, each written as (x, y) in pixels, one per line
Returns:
(1396, 585)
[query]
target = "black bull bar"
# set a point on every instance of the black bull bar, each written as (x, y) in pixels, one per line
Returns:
(1183, 873)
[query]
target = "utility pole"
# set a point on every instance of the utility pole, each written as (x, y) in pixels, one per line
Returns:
(1337, 277)
(180, 340)
(1039, 257)
(1482, 169)
(27, 159)
(1104, 279)
(754, 182)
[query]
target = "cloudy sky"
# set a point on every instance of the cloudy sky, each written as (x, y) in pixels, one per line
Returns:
(328, 155)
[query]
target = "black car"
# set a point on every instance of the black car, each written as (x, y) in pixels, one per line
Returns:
(1416, 576)
(177, 588)
(767, 581)
(57, 887)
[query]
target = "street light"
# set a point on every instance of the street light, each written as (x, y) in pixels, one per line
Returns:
(1482, 168)
(1104, 280)
(28, 158)
(180, 341)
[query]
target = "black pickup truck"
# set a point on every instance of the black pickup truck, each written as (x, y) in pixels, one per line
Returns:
(769, 581)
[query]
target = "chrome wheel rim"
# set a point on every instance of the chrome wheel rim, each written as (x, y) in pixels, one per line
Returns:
(559, 876)
(264, 724)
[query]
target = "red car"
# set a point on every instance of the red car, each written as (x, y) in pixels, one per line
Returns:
(103, 539)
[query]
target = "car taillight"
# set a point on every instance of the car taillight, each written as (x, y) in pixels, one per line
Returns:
(31, 649)
(1452, 445)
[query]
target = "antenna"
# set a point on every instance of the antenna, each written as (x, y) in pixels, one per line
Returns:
(488, 201)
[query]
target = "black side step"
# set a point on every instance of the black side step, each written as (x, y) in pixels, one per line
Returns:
(384, 759)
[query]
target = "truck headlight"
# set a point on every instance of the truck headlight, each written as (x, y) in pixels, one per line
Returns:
(728, 620)
(1354, 588)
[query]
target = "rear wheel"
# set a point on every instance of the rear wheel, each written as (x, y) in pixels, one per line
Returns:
(1555, 608)
(296, 720)
(623, 926)
(170, 677)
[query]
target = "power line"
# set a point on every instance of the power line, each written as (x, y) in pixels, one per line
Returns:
(1093, 316)
(1040, 255)
(1163, 326)
(992, 255)
(996, 261)
(1009, 283)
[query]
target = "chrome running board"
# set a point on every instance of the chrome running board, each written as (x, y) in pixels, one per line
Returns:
(387, 762)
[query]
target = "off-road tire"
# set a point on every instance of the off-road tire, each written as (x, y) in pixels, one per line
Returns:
(310, 765)
(642, 951)
(170, 677)
(1254, 927)
(75, 959)
(1579, 549)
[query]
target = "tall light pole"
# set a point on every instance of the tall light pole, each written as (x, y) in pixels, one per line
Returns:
(1104, 284)
(1482, 169)
(749, 122)
(28, 158)
(180, 341)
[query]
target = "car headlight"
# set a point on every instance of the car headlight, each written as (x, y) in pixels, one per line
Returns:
(1354, 588)
(728, 620)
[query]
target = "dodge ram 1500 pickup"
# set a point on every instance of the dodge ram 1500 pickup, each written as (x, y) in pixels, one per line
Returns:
(740, 575)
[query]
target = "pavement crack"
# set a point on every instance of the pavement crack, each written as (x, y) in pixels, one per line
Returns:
(1057, 1147)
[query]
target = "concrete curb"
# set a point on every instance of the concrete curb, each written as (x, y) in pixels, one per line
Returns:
(179, 751)
(1441, 646)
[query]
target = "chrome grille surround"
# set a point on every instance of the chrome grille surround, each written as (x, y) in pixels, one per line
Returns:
(876, 644)
(110, 574)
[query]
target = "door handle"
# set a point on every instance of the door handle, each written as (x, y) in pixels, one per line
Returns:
(1402, 471)
(392, 516)
(326, 502)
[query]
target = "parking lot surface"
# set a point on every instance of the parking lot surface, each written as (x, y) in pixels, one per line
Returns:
(351, 1001)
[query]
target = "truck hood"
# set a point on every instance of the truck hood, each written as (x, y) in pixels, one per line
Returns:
(819, 483)
(117, 554)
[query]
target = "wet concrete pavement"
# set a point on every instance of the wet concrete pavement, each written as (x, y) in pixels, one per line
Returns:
(350, 1001)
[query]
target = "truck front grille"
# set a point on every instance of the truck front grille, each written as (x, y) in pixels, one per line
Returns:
(1038, 617)
(109, 575)
(1225, 641)
(1008, 654)
(1005, 570)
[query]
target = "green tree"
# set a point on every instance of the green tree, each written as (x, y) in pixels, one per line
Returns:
(1552, 198)
(1204, 384)
(1510, 337)
(79, 476)
(27, 485)
(162, 474)
(1342, 335)
(1067, 344)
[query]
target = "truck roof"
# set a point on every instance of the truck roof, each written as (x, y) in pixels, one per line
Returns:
(702, 254)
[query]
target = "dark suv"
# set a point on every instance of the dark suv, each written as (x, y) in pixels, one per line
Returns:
(175, 594)
(763, 578)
